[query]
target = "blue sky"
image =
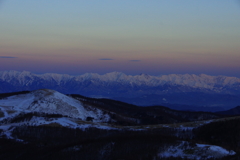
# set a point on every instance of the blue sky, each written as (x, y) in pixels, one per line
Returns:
(154, 37)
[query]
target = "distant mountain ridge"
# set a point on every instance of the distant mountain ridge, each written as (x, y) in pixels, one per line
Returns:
(233, 111)
(202, 81)
(118, 85)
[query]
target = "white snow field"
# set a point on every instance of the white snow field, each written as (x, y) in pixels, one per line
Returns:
(198, 152)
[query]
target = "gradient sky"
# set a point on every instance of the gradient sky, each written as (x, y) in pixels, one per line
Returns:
(135, 36)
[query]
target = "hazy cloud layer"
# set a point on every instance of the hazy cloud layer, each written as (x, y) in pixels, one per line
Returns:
(135, 60)
(105, 59)
(7, 57)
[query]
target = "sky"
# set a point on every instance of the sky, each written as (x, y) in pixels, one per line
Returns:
(132, 36)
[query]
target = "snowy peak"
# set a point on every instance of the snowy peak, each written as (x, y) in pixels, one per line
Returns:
(50, 102)
(22, 77)
(58, 78)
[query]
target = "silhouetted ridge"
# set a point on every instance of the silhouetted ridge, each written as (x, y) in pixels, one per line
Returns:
(233, 111)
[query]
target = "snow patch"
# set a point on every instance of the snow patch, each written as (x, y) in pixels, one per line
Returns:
(195, 151)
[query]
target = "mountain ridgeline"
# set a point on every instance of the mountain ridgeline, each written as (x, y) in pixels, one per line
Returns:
(188, 92)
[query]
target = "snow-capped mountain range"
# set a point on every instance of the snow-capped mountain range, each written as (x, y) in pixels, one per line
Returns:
(27, 80)
(117, 84)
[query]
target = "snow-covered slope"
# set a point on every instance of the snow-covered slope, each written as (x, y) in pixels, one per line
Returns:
(51, 102)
